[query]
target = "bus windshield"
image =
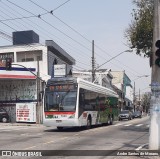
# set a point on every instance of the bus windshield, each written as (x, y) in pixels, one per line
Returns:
(60, 101)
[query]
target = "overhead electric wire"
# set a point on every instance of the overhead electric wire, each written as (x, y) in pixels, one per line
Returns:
(15, 30)
(50, 33)
(5, 37)
(54, 8)
(50, 25)
(47, 23)
(77, 32)
(3, 20)
(35, 48)
(41, 18)
(51, 12)
(30, 46)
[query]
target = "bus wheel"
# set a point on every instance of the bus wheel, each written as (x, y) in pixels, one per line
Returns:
(110, 121)
(60, 128)
(88, 123)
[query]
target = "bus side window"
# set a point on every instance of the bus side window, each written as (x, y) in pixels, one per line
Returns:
(81, 98)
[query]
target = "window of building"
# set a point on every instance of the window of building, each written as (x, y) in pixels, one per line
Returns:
(27, 59)
(26, 56)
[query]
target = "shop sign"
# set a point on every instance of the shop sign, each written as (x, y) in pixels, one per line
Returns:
(60, 70)
(26, 112)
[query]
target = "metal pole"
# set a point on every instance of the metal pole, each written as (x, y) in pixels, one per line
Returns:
(38, 110)
(93, 62)
(139, 95)
(134, 98)
(154, 134)
(139, 99)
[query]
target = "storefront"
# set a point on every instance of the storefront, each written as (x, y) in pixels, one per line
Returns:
(17, 87)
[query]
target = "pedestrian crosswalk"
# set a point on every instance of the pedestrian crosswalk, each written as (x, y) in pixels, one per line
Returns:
(135, 125)
(139, 125)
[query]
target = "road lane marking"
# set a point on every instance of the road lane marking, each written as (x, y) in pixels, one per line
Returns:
(138, 125)
(128, 125)
(5, 130)
(48, 142)
(31, 134)
(142, 146)
(30, 147)
(117, 124)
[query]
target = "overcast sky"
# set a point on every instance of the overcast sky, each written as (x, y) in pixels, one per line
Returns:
(103, 21)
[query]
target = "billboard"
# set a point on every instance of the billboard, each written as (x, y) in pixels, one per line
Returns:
(60, 70)
(26, 112)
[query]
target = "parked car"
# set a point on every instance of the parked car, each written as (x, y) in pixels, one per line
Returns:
(125, 114)
(4, 117)
(137, 114)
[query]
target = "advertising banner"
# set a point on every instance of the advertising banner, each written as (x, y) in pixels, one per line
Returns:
(26, 112)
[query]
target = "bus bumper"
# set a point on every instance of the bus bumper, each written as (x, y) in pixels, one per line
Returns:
(61, 123)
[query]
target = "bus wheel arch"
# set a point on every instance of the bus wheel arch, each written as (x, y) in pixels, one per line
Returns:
(59, 128)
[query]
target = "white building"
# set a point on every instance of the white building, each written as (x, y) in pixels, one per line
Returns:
(123, 83)
(103, 77)
(19, 85)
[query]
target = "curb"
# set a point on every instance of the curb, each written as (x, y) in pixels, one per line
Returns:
(20, 124)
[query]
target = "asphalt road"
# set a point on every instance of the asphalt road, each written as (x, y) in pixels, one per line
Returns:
(123, 135)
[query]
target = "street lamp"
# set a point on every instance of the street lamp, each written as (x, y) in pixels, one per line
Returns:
(113, 58)
(94, 70)
(140, 77)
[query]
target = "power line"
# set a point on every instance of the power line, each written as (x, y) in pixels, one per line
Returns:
(53, 9)
(48, 24)
(76, 60)
(50, 33)
(32, 46)
(76, 31)
(52, 25)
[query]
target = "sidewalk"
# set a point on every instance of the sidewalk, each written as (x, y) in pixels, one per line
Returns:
(20, 124)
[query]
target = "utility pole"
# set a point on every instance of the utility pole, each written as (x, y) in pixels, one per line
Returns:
(134, 91)
(139, 96)
(134, 98)
(93, 62)
(154, 134)
(38, 108)
(139, 99)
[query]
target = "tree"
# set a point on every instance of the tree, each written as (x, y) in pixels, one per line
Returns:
(139, 34)
(145, 102)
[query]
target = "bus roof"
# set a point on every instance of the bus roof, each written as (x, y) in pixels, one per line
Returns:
(83, 84)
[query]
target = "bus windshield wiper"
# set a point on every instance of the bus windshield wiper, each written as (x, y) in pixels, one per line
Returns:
(64, 96)
(60, 104)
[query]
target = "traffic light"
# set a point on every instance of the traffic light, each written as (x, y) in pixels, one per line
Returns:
(8, 64)
(157, 61)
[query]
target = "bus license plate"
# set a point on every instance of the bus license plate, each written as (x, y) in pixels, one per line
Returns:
(58, 121)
